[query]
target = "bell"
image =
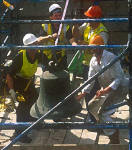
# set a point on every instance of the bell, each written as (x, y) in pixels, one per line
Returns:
(54, 87)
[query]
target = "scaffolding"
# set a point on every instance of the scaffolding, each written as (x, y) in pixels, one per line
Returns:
(79, 125)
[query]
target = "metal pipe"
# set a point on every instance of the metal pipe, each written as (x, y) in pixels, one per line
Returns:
(5, 40)
(58, 47)
(4, 31)
(4, 14)
(1, 53)
(16, 1)
(65, 125)
(68, 21)
(116, 105)
(130, 68)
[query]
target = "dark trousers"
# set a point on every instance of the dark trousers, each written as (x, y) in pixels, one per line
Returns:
(30, 95)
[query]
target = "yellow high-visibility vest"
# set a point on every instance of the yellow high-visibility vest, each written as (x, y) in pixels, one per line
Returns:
(100, 28)
(62, 40)
(27, 70)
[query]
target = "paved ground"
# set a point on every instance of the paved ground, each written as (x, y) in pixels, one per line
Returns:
(51, 137)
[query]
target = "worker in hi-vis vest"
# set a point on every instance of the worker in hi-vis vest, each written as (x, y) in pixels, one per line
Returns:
(82, 35)
(20, 81)
(86, 31)
(51, 30)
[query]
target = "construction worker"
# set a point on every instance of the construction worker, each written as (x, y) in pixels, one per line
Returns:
(114, 87)
(20, 78)
(82, 36)
(86, 31)
(51, 30)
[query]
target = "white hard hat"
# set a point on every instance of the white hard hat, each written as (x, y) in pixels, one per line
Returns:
(53, 7)
(29, 38)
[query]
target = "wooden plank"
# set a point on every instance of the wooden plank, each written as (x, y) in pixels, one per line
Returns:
(88, 137)
(72, 147)
(73, 136)
(56, 137)
(124, 137)
(40, 137)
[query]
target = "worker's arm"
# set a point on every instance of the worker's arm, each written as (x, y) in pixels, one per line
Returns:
(10, 82)
(43, 39)
(73, 42)
(103, 91)
(80, 96)
(76, 32)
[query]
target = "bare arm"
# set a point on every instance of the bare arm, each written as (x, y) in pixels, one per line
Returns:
(10, 82)
(103, 91)
(76, 33)
(73, 42)
(43, 39)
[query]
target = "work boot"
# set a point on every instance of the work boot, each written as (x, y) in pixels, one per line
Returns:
(114, 138)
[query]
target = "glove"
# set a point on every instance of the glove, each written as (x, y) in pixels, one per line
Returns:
(13, 94)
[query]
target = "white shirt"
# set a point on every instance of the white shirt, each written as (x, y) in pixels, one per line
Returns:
(112, 77)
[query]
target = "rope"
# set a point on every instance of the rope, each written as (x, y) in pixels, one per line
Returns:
(72, 21)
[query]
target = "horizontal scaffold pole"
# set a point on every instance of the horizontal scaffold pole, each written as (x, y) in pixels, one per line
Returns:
(116, 105)
(58, 47)
(68, 21)
(65, 125)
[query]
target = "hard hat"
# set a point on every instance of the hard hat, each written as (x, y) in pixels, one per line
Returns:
(94, 12)
(96, 40)
(29, 39)
(54, 7)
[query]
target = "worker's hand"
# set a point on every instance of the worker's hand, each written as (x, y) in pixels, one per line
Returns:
(99, 93)
(13, 94)
(74, 44)
(103, 91)
(54, 35)
(80, 96)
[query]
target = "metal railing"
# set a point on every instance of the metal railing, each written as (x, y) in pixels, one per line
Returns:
(74, 125)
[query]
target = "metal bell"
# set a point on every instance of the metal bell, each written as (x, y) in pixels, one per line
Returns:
(54, 87)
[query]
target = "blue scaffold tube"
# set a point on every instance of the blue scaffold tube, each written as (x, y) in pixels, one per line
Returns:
(4, 31)
(58, 47)
(66, 21)
(65, 125)
(116, 105)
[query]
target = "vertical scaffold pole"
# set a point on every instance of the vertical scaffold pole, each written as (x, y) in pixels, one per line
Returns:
(130, 68)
